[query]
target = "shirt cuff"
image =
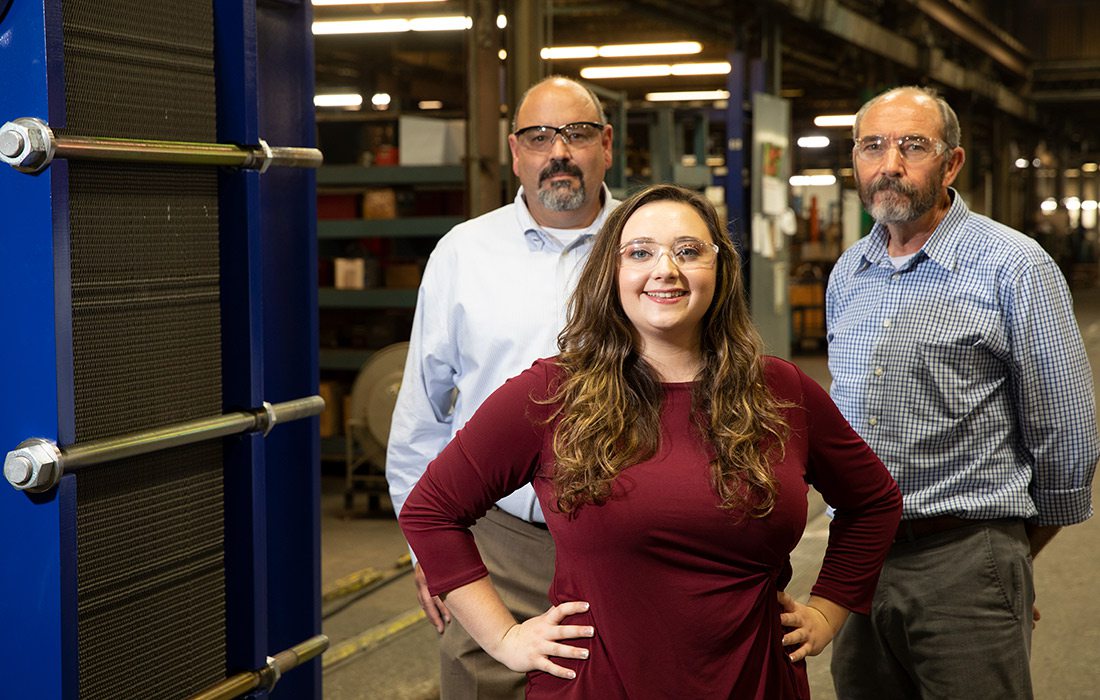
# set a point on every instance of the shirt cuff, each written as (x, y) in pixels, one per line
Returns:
(1062, 507)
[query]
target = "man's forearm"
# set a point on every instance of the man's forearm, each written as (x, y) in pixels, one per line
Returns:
(1040, 535)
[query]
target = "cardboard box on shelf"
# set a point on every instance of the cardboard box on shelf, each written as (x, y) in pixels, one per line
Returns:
(380, 203)
(349, 273)
(331, 421)
(402, 275)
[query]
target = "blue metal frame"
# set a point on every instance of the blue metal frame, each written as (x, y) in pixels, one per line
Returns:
(38, 557)
(264, 59)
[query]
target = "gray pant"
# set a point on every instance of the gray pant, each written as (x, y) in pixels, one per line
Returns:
(951, 620)
(520, 559)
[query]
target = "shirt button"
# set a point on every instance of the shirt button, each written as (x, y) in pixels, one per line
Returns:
(878, 371)
(895, 277)
(886, 323)
(872, 421)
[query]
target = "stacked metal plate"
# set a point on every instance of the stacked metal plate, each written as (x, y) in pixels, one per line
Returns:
(143, 274)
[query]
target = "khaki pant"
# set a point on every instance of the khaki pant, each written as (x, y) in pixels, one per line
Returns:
(520, 559)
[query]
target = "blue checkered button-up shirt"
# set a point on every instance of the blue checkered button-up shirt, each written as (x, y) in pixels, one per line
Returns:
(965, 372)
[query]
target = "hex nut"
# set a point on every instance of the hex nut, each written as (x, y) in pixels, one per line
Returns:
(36, 141)
(44, 462)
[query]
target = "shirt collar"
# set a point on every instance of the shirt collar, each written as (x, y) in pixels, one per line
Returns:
(538, 239)
(942, 247)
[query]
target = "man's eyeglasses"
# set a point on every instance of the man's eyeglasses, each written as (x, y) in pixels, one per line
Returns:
(686, 253)
(913, 149)
(577, 134)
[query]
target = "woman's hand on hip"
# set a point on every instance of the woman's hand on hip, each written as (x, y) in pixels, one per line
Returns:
(529, 645)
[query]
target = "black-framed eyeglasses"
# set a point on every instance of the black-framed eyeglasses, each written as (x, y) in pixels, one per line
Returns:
(913, 148)
(576, 134)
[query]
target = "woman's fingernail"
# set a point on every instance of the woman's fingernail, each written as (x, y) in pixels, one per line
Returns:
(591, 631)
(584, 653)
(572, 674)
(587, 606)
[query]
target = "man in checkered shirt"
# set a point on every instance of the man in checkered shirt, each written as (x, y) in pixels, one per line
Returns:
(955, 353)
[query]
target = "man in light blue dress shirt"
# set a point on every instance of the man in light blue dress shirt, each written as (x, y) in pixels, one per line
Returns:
(492, 301)
(955, 354)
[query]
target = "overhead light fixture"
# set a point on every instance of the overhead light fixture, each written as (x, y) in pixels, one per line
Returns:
(1049, 205)
(392, 25)
(345, 100)
(555, 53)
(336, 3)
(381, 100)
(502, 22)
(812, 180)
(1071, 203)
(827, 120)
(813, 141)
(668, 48)
(1021, 163)
(655, 70)
(687, 95)
(430, 104)
(1089, 167)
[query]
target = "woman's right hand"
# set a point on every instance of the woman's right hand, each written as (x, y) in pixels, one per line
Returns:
(528, 646)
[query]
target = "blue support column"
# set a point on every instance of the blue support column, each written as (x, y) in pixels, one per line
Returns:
(37, 560)
(735, 156)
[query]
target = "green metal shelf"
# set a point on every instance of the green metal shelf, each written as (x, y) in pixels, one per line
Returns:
(346, 359)
(347, 175)
(414, 227)
(328, 297)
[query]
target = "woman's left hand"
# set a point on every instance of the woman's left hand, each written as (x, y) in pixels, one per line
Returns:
(812, 626)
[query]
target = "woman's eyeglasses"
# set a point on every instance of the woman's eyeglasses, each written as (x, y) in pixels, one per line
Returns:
(686, 254)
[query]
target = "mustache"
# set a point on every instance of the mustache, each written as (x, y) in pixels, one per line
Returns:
(885, 184)
(560, 167)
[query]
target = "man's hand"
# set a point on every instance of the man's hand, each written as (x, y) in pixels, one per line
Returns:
(434, 608)
(528, 646)
(811, 630)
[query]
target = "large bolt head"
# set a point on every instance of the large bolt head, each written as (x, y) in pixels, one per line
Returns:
(26, 144)
(40, 458)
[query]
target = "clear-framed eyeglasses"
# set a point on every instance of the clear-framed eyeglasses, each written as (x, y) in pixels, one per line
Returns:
(687, 254)
(913, 148)
(574, 135)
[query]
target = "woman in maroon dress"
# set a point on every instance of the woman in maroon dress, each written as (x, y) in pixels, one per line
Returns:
(672, 460)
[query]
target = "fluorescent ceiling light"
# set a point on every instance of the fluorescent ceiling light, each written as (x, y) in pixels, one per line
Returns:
(719, 68)
(380, 100)
(1021, 162)
(1071, 203)
(1089, 167)
(334, 3)
(502, 22)
(668, 48)
(654, 70)
(554, 53)
(813, 141)
(392, 25)
(685, 95)
(812, 180)
(650, 71)
(1088, 205)
(338, 100)
(440, 24)
(835, 120)
(1049, 205)
(430, 104)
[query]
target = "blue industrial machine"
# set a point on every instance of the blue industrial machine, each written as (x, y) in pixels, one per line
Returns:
(159, 370)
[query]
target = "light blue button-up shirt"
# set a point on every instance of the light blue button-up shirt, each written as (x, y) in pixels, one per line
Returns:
(492, 301)
(965, 372)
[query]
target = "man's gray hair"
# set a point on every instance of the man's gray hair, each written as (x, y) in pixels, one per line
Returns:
(951, 135)
(591, 95)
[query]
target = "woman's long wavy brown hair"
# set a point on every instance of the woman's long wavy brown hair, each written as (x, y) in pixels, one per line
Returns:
(611, 398)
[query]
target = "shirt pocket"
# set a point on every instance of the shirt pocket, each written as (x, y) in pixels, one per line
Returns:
(955, 377)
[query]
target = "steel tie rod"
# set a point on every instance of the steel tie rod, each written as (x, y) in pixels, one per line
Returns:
(29, 145)
(266, 677)
(37, 464)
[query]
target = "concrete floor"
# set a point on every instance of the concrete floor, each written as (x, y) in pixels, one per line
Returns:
(1066, 645)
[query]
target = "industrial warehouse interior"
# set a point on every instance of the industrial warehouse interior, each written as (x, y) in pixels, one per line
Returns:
(273, 291)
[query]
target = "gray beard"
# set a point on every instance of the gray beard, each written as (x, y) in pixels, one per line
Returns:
(903, 203)
(562, 197)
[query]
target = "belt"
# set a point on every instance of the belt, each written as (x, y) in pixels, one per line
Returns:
(912, 530)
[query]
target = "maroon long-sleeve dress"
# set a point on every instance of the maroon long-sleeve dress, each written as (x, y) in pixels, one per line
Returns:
(682, 593)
